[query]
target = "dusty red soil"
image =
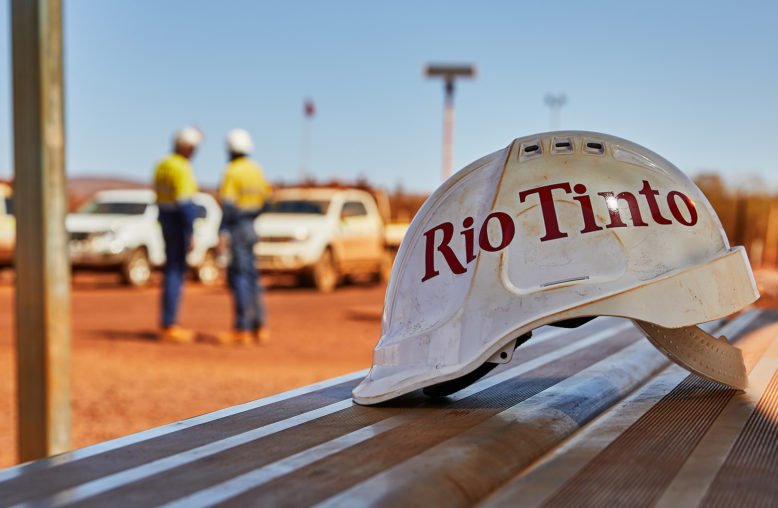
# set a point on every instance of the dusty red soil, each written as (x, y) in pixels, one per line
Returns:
(124, 380)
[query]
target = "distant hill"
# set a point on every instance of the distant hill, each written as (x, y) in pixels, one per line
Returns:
(82, 188)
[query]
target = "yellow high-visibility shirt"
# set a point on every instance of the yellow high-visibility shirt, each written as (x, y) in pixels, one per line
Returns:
(174, 180)
(244, 184)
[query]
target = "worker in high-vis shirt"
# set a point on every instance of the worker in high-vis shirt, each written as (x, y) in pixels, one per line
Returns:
(175, 185)
(242, 195)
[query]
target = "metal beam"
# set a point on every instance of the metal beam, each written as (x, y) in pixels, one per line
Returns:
(450, 71)
(42, 269)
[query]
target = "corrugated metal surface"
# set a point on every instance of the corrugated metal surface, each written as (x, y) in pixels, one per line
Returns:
(589, 416)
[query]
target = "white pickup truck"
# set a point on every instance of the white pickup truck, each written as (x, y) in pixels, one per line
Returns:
(323, 234)
(118, 229)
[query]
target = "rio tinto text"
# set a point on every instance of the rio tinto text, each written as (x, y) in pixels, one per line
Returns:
(682, 211)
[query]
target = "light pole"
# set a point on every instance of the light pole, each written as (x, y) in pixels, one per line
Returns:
(449, 73)
(309, 110)
(555, 103)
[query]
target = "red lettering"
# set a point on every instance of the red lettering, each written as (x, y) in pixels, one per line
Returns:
(634, 208)
(545, 194)
(548, 209)
(469, 239)
(613, 209)
(673, 204)
(615, 213)
(507, 228)
(429, 256)
(650, 195)
(590, 224)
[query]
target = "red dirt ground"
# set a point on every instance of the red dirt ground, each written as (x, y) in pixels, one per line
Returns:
(124, 381)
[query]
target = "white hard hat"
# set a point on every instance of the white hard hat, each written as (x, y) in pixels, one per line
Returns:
(556, 228)
(191, 136)
(239, 141)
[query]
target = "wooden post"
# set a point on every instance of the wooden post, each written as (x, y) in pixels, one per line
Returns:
(42, 268)
(771, 236)
(741, 220)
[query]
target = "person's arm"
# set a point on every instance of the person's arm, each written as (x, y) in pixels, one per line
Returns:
(228, 198)
(188, 212)
(230, 214)
(186, 187)
(266, 188)
(228, 193)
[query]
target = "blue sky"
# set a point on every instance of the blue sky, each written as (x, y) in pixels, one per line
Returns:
(694, 81)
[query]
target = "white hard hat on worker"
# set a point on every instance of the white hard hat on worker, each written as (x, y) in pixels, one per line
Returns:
(189, 136)
(239, 142)
(556, 227)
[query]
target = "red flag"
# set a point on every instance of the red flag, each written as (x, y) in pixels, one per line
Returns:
(310, 110)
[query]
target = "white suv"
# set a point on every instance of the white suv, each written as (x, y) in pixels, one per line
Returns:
(118, 229)
(322, 234)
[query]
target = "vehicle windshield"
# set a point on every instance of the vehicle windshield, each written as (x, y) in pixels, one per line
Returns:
(303, 206)
(113, 208)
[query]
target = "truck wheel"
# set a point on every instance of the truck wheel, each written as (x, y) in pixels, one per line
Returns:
(208, 271)
(136, 269)
(325, 275)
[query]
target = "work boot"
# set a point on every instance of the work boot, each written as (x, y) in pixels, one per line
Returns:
(261, 336)
(175, 333)
(242, 337)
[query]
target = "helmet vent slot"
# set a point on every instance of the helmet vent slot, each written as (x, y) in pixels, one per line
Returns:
(594, 147)
(562, 145)
(563, 281)
(530, 149)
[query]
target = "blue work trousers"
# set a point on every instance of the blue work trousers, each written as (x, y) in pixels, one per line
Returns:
(176, 233)
(243, 276)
